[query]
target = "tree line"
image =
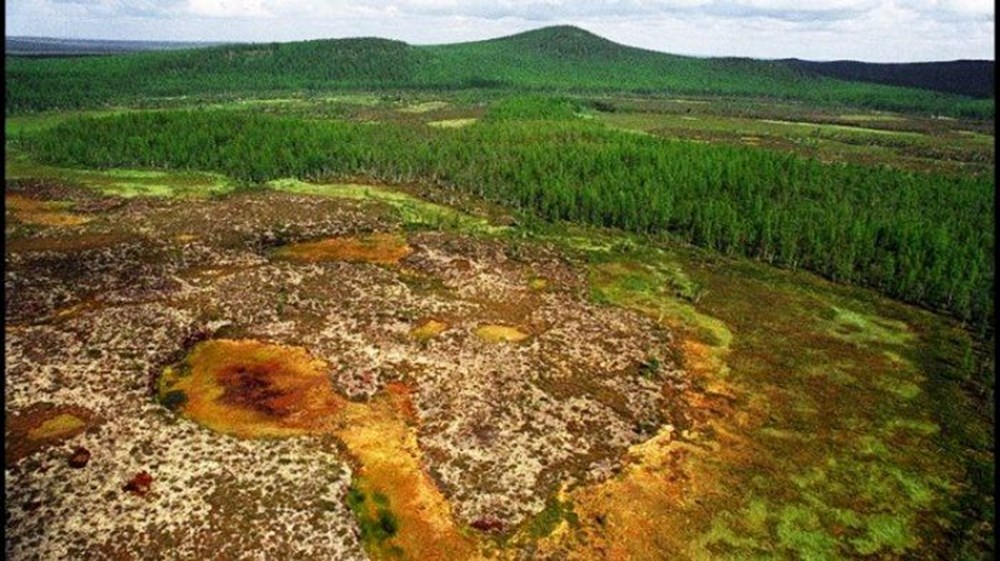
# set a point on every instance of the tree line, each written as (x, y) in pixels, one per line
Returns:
(922, 238)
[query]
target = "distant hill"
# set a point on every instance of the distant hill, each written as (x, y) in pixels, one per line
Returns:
(554, 59)
(50, 46)
(973, 78)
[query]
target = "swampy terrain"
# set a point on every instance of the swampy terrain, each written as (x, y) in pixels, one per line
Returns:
(395, 359)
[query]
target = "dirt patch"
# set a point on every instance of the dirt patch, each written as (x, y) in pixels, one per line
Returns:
(382, 249)
(75, 242)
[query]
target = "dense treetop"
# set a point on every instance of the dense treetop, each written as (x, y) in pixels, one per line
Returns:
(923, 238)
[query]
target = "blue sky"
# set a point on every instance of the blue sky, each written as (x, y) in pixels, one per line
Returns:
(870, 30)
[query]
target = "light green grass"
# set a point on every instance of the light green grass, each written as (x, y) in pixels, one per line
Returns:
(452, 123)
(871, 117)
(126, 183)
(415, 212)
(841, 128)
(424, 107)
(862, 328)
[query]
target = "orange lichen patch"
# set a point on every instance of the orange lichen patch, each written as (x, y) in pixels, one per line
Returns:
(39, 426)
(625, 517)
(378, 436)
(703, 360)
(399, 394)
(663, 480)
(428, 329)
(382, 249)
(252, 389)
(42, 213)
(257, 390)
(501, 334)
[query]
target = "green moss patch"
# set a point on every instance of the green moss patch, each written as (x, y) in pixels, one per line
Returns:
(555, 513)
(124, 182)
(375, 520)
(415, 212)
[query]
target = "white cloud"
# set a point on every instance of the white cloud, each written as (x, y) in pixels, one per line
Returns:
(228, 8)
(876, 30)
(967, 7)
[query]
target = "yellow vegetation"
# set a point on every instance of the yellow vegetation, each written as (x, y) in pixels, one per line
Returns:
(501, 334)
(60, 426)
(42, 213)
(428, 330)
(379, 436)
(383, 249)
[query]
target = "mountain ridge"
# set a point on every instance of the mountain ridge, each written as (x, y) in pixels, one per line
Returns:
(536, 32)
(975, 78)
(564, 59)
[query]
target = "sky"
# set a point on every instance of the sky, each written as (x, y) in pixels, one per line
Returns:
(868, 30)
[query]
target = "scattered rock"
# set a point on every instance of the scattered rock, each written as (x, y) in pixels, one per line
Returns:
(488, 524)
(79, 458)
(140, 485)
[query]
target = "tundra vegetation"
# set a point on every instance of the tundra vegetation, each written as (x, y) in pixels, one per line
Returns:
(537, 297)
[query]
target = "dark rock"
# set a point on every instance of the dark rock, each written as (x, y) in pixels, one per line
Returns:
(140, 485)
(79, 458)
(488, 524)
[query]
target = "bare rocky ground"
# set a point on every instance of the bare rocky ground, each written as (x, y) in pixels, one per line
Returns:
(517, 384)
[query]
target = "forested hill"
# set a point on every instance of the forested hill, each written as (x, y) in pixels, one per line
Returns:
(964, 77)
(563, 59)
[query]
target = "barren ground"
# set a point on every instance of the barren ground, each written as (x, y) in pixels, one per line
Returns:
(247, 362)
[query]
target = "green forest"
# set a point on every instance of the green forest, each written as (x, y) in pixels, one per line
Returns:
(554, 60)
(923, 238)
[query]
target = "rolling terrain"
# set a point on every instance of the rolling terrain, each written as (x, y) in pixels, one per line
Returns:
(555, 59)
(359, 299)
